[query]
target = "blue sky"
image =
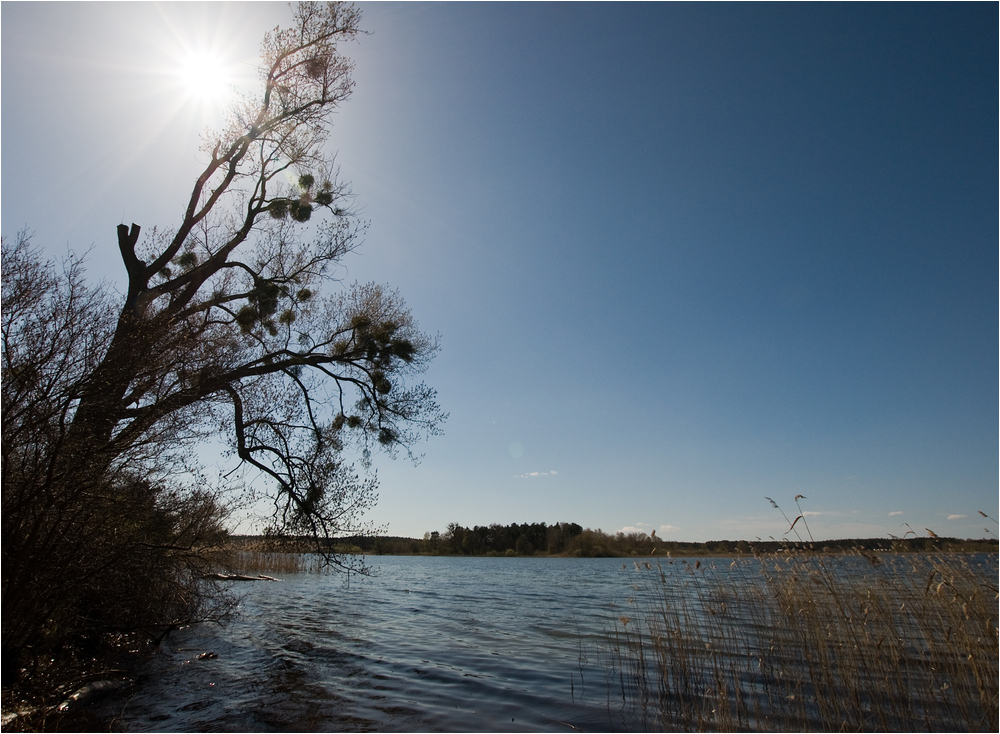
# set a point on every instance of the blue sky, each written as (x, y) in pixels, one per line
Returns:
(681, 256)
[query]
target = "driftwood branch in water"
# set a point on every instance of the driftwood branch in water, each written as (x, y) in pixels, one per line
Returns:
(238, 577)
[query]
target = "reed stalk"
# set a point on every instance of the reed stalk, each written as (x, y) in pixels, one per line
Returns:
(810, 643)
(257, 561)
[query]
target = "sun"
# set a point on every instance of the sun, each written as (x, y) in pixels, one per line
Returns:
(204, 77)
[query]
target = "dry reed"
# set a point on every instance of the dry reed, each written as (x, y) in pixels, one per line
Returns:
(810, 643)
(257, 561)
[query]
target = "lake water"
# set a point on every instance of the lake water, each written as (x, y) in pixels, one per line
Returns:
(429, 644)
(461, 644)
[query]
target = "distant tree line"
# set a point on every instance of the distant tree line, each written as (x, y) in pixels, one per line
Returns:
(514, 539)
(572, 540)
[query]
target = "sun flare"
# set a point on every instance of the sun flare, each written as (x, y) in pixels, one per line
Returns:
(204, 77)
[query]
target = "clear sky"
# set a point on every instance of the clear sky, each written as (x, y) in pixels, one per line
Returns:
(681, 256)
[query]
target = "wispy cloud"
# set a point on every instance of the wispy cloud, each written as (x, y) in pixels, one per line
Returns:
(810, 513)
(957, 517)
(529, 475)
(895, 512)
(643, 527)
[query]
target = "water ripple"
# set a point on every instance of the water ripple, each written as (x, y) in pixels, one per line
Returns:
(444, 644)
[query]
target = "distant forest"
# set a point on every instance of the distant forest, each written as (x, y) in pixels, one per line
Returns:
(571, 540)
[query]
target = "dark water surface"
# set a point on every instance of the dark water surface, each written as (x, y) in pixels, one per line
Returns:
(528, 644)
(429, 644)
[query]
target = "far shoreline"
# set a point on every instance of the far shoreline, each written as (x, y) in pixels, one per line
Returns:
(401, 546)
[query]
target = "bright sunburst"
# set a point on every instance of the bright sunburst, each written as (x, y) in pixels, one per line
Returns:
(204, 77)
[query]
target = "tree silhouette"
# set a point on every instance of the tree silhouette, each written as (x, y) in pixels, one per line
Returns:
(233, 324)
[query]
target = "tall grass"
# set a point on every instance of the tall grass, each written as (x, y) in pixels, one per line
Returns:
(258, 561)
(809, 643)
